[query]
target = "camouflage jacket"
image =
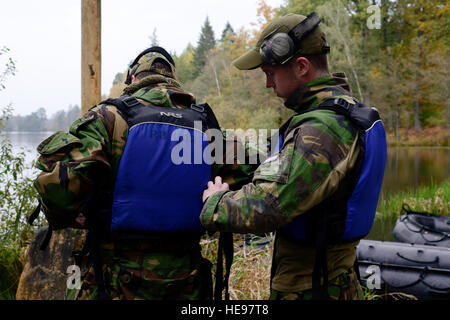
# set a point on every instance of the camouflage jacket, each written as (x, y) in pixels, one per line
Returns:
(70, 162)
(316, 156)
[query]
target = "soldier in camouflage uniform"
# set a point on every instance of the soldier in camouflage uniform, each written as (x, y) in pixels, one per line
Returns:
(72, 164)
(318, 154)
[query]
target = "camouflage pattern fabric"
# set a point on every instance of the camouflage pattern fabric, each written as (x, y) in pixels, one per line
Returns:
(147, 63)
(344, 287)
(72, 162)
(139, 271)
(319, 150)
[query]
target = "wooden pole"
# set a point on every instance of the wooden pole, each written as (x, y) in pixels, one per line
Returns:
(90, 53)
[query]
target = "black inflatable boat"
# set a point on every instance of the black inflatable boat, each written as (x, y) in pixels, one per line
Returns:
(422, 228)
(419, 270)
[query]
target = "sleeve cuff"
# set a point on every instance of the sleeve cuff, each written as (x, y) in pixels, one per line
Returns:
(207, 216)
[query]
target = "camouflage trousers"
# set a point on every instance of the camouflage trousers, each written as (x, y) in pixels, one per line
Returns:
(142, 272)
(344, 287)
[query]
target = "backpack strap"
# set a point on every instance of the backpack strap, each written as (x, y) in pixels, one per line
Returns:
(48, 234)
(363, 118)
(46, 241)
(32, 217)
(361, 115)
(124, 103)
(225, 238)
(319, 291)
(211, 120)
(225, 245)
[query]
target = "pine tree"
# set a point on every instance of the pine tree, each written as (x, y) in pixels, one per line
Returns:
(154, 39)
(228, 30)
(205, 44)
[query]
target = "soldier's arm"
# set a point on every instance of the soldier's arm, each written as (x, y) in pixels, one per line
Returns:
(239, 162)
(70, 162)
(308, 169)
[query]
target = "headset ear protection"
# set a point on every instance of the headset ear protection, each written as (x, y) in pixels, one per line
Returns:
(133, 67)
(278, 48)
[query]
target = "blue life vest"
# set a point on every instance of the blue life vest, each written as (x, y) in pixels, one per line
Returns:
(360, 208)
(164, 169)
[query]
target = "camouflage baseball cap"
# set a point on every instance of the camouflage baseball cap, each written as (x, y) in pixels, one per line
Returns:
(154, 62)
(313, 43)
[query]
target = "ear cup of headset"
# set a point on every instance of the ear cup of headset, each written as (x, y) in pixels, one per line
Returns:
(282, 47)
(276, 49)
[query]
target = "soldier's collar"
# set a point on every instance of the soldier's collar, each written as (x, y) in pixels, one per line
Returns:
(312, 93)
(150, 80)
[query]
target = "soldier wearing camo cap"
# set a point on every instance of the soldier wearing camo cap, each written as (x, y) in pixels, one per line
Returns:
(77, 166)
(305, 195)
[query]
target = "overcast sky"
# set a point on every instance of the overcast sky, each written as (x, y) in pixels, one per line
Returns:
(45, 41)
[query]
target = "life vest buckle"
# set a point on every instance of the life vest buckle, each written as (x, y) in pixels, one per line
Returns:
(198, 108)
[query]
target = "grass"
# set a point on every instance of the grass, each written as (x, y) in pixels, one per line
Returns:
(250, 271)
(10, 269)
(434, 199)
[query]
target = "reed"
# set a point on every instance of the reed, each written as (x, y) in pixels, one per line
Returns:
(434, 199)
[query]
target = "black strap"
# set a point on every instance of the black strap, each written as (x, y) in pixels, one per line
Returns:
(320, 292)
(35, 214)
(219, 271)
(229, 253)
(98, 270)
(356, 267)
(47, 238)
(301, 30)
(274, 265)
(361, 116)
(124, 103)
(211, 119)
(225, 246)
(407, 210)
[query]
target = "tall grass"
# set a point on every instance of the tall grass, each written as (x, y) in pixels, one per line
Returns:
(11, 266)
(434, 199)
(250, 271)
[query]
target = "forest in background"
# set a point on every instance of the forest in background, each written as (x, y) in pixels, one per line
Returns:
(400, 67)
(39, 121)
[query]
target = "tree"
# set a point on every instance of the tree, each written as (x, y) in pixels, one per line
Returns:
(264, 14)
(303, 7)
(185, 64)
(153, 39)
(118, 78)
(205, 44)
(227, 31)
(338, 31)
(9, 67)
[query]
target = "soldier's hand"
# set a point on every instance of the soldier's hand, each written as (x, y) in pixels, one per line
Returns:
(214, 187)
(80, 222)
